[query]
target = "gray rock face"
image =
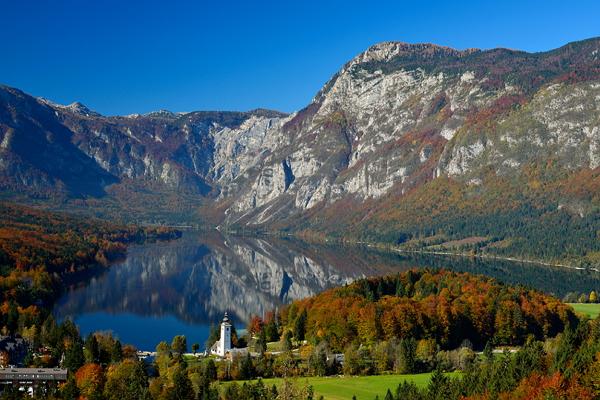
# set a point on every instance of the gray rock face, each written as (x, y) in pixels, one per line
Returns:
(393, 118)
(382, 125)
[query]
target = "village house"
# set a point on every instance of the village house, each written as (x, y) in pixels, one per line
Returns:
(29, 379)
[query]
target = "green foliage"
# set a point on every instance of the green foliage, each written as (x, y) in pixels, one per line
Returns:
(182, 386)
(406, 358)
(116, 353)
(127, 380)
(74, 357)
(92, 350)
(317, 362)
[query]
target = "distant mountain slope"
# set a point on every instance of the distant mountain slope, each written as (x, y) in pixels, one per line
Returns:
(36, 152)
(415, 144)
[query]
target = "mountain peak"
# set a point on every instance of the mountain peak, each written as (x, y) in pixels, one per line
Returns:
(81, 109)
(163, 114)
(75, 107)
(265, 112)
(386, 51)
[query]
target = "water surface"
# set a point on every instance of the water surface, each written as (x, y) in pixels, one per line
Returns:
(184, 286)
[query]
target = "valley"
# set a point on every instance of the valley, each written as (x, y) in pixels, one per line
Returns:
(416, 145)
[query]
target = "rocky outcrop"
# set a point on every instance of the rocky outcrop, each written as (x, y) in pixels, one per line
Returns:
(399, 115)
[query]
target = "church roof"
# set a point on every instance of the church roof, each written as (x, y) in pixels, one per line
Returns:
(226, 317)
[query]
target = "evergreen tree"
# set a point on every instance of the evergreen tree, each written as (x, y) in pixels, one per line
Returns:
(388, 395)
(271, 330)
(399, 288)
(92, 351)
(406, 357)
(246, 367)
(286, 341)
(408, 390)
(74, 358)
(12, 318)
(70, 391)
(438, 388)
(380, 290)
(260, 346)
(182, 386)
(300, 326)
(317, 362)
(213, 335)
(210, 369)
(116, 352)
(488, 352)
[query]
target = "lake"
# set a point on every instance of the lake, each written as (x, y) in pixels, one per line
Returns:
(184, 286)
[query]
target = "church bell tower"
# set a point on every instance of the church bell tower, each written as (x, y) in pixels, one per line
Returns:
(225, 340)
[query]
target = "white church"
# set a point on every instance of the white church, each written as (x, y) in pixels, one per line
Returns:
(223, 346)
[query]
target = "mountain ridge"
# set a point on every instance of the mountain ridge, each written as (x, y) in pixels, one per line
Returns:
(405, 142)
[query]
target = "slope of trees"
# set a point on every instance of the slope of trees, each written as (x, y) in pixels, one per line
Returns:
(542, 213)
(566, 367)
(445, 306)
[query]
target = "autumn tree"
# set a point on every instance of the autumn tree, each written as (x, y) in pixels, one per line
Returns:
(90, 380)
(179, 344)
(126, 380)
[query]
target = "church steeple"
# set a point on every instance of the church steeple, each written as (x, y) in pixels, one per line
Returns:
(225, 340)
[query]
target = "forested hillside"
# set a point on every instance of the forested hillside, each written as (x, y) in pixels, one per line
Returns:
(445, 306)
(39, 249)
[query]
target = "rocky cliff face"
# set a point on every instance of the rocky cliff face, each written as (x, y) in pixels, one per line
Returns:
(191, 152)
(400, 115)
(392, 120)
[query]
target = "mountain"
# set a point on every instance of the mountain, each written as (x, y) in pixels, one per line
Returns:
(416, 144)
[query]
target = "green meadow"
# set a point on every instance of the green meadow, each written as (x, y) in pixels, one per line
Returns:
(590, 309)
(363, 387)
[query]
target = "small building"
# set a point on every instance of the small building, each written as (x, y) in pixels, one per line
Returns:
(28, 379)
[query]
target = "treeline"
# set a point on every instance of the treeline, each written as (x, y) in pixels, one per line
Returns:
(542, 213)
(447, 307)
(567, 367)
(39, 249)
(59, 243)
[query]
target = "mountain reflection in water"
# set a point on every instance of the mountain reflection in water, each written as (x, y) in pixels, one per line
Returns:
(182, 287)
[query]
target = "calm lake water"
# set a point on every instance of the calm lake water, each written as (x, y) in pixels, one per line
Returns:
(182, 287)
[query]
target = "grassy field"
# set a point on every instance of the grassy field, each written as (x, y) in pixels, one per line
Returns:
(364, 387)
(590, 309)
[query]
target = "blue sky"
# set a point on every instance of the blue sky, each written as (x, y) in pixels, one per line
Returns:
(122, 57)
